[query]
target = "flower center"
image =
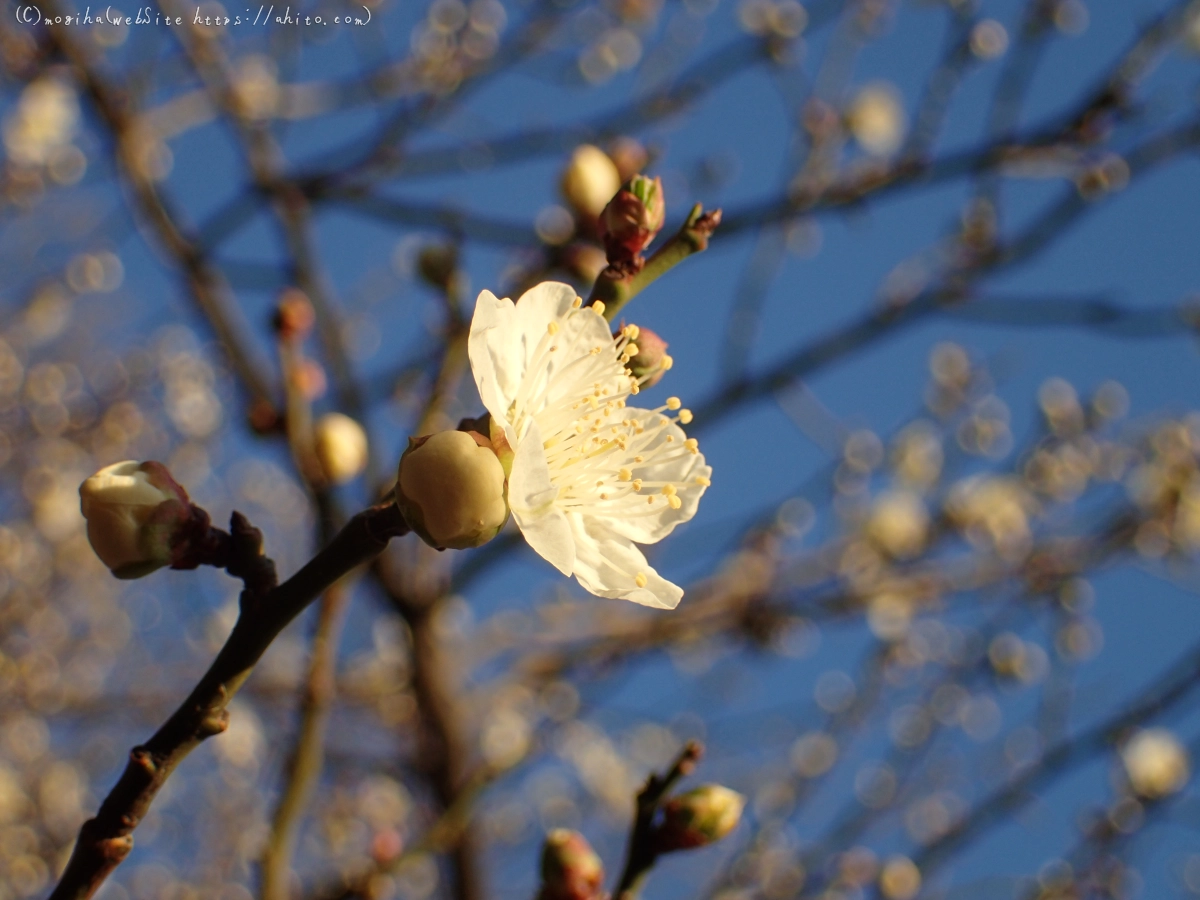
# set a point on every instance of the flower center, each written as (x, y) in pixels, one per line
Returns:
(605, 458)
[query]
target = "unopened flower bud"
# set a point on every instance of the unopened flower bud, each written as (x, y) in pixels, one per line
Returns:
(649, 361)
(294, 315)
(1156, 763)
(308, 378)
(341, 447)
(571, 870)
(451, 489)
(699, 817)
(590, 180)
(633, 218)
(136, 513)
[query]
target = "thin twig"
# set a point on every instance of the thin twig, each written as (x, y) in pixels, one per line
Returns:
(642, 851)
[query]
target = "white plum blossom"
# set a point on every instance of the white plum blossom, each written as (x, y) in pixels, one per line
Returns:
(589, 475)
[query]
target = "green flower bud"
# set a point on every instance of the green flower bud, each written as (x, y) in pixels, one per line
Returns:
(633, 218)
(701, 816)
(136, 514)
(571, 870)
(451, 489)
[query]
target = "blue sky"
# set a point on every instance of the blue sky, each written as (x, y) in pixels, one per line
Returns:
(1136, 248)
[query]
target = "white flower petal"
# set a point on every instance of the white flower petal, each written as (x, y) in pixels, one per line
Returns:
(681, 469)
(609, 565)
(496, 361)
(539, 306)
(531, 496)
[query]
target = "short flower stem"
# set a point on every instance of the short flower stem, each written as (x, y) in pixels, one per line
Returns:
(616, 289)
(643, 849)
(106, 840)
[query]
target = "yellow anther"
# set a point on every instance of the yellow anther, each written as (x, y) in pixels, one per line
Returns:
(552, 328)
(692, 445)
(598, 307)
(630, 351)
(600, 483)
(595, 351)
(637, 485)
(650, 500)
(670, 438)
(632, 332)
(638, 459)
(675, 502)
(662, 423)
(578, 302)
(640, 579)
(674, 403)
(667, 362)
(604, 496)
(555, 347)
(593, 402)
(625, 474)
(702, 481)
(669, 490)
(685, 416)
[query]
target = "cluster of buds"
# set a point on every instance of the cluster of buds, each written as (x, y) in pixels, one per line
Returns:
(632, 219)
(451, 487)
(138, 517)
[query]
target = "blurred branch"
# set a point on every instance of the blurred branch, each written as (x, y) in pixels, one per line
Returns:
(205, 284)
(886, 321)
(1182, 677)
(303, 770)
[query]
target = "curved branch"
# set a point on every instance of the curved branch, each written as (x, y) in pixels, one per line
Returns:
(104, 841)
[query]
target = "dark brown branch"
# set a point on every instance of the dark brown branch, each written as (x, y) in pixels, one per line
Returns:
(106, 840)
(642, 851)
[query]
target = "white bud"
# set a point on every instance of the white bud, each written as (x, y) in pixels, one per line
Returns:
(590, 180)
(341, 447)
(133, 512)
(1156, 763)
(876, 119)
(451, 489)
(899, 524)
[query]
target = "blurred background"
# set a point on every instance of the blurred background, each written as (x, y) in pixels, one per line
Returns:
(940, 622)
